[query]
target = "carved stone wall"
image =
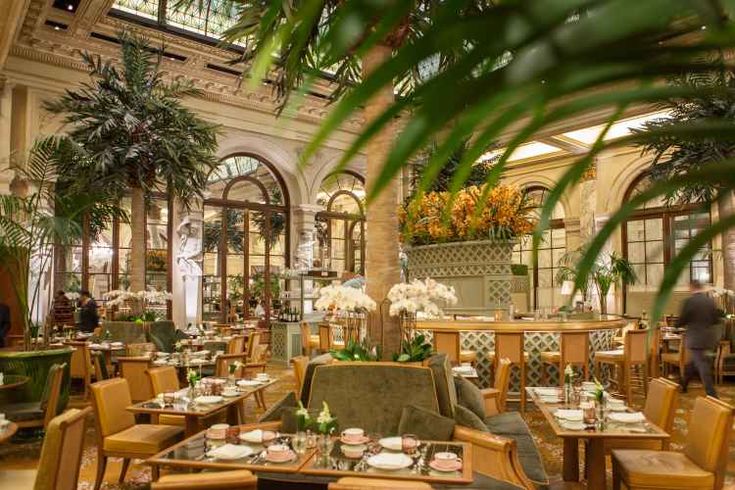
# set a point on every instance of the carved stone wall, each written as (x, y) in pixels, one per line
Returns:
(479, 271)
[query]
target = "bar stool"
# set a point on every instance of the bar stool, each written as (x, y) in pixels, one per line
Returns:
(510, 346)
(634, 354)
(448, 343)
(575, 348)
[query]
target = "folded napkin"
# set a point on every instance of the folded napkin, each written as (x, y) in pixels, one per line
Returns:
(567, 414)
(231, 451)
(542, 391)
(627, 418)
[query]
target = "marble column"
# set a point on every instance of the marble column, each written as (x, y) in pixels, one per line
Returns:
(6, 107)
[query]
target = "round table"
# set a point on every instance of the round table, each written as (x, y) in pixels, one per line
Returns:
(11, 381)
(8, 432)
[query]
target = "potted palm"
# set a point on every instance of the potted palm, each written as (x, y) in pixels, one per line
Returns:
(142, 137)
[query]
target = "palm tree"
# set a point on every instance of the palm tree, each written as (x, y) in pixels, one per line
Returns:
(501, 73)
(32, 224)
(673, 156)
(140, 136)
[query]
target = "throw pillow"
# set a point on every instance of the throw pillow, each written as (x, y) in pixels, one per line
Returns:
(470, 396)
(466, 417)
(425, 424)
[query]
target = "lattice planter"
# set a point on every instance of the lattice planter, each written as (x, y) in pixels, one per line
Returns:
(479, 271)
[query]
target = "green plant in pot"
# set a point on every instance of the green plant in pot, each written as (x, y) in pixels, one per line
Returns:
(360, 351)
(416, 349)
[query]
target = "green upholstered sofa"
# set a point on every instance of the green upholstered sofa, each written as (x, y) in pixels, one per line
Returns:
(373, 395)
(127, 332)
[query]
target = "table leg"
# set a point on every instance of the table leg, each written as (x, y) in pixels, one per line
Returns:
(192, 425)
(570, 470)
(233, 413)
(595, 462)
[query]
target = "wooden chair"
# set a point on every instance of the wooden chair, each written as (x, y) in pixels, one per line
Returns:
(99, 363)
(223, 362)
(510, 346)
(654, 356)
(118, 434)
(133, 369)
(575, 348)
(165, 379)
(236, 344)
(633, 356)
(677, 359)
(308, 341)
(140, 349)
(722, 366)
(326, 338)
(495, 397)
(358, 483)
(40, 413)
(61, 454)
(80, 366)
(299, 370)
(660, 409)
(220, 480)
(449, 344)
(253, 341)
(702, 464)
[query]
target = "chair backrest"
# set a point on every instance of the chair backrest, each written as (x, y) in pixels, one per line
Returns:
(133, 370)
(575, 348)
(163, 379)
(140, 349)
(635, 349)
(299, 369)
(236, 344)
(502, 381)
(52, 392)
(305, 337)
(222, 364)
(100, 365)
(163, 334)
(253, 341)
(661, 403)
(376, 401)
(325, 336)
(77, 366)
(110, 398)
(707, 441)
(510, 346)
(61, 454)
(447, 343)
(127, 332)
(355, 483)
(260, 354)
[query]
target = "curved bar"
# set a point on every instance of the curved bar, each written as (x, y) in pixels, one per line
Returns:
(539, 335)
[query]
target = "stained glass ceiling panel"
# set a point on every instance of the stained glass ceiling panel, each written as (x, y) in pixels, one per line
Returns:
(142, 8)
(211, 21)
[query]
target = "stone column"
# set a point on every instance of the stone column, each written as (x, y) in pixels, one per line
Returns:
(573, 236)
(186, 264)
(6, 107)
(588, 204)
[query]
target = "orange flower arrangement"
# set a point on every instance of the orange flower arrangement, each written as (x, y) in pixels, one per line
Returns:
(428, 220)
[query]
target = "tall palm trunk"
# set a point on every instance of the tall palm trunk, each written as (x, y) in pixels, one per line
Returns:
(137, 232)
(381, 262)
(725, 208)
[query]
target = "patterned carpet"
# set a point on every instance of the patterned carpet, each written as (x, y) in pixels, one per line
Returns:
(24, 456)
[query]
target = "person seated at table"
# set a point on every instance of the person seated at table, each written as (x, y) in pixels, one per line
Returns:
(89, 317)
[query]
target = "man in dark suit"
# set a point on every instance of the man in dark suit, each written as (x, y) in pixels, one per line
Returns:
(4, 322)
(88, 315)
(699, 316)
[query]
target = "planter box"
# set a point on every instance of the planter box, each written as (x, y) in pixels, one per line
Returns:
(479, 271)
(35, 365)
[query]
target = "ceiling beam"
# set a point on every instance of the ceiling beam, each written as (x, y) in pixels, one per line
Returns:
(568, 144)
(11, 19)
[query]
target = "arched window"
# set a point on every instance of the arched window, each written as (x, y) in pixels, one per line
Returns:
(245, 238)
(545, 290)
(341, 225)
(655, 233)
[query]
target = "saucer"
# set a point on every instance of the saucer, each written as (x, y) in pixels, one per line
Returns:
(356, 442)
(287, 456)
(455, 466)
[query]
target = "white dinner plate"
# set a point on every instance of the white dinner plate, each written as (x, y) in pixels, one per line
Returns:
(390, 461)
(627, 418)
(231, 452)
(208, 400)
(391, 443)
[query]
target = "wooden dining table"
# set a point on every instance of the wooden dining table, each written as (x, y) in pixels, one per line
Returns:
(194, 413)
(595, 438)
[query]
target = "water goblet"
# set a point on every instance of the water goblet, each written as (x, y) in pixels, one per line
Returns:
(299, 442)
(409, 443)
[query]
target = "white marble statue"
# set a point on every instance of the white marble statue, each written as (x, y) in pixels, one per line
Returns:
(189, 259)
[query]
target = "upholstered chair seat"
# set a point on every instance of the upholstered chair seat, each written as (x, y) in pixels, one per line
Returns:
(143, 439)
(222, 480)
(657, 469)
(353, 483)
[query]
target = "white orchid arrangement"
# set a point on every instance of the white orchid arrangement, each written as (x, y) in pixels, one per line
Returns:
(118, 297)
(343, 298)
(420, 297)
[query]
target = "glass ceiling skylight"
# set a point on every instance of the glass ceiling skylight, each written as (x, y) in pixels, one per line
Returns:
(529, 150)
(623, 128)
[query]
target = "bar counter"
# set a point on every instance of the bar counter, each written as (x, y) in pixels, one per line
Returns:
(478, 334)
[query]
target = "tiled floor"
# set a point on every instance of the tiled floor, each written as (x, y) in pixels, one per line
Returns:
(17, 461)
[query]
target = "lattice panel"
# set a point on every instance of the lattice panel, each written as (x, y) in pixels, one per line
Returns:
(483, 342)
(279, 341)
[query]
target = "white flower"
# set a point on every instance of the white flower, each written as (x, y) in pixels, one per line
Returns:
(344, 299)
(72, 296)
(420, 297)
(324, 416)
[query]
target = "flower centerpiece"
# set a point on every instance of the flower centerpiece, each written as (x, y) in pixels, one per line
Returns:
(232, 368)
(348, 307)
(326, 423)
(409, 299)
(143, 303)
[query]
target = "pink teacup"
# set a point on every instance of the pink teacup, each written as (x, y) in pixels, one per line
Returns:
(353, 434)
(446, 460)
(278, 451)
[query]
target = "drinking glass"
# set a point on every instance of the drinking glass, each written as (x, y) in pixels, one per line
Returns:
(409, 443)
(168, 398)
(299, 442)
